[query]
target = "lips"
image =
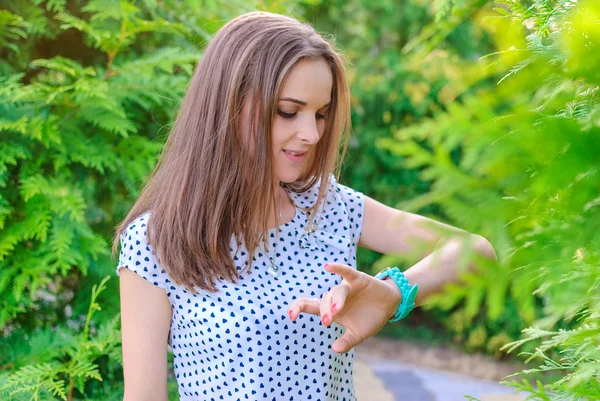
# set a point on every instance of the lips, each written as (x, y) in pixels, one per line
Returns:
(294, 152)
(295, 156)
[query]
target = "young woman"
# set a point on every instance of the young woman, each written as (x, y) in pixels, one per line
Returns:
(240, 253)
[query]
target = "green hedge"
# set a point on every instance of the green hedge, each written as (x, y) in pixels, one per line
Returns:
(528, 179)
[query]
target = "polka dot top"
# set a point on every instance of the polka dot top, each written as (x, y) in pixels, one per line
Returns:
(238, 343)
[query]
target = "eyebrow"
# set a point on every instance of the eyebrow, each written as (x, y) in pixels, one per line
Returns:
(300, 102)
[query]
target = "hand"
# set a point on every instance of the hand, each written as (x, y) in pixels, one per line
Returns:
(361, 303)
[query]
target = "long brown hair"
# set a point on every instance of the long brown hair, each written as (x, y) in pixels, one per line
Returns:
(205, 188)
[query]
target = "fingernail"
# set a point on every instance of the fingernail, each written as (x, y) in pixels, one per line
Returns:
(326, 264)
(291, 314)
(326, 319)
(333, 308)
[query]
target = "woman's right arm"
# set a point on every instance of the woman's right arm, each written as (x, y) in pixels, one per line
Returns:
(145, 322)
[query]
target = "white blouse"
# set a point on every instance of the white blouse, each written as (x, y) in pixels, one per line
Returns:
(238, 343)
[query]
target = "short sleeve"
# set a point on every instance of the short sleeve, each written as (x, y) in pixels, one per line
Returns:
(354, 202)
(137, 255)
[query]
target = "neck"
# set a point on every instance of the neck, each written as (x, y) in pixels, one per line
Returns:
(278, 210)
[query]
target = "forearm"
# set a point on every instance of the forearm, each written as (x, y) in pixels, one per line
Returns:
(444, 265)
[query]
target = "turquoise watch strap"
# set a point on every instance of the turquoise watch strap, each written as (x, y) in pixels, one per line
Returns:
(408, 293)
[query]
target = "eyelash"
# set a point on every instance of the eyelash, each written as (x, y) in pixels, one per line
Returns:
(288, 115)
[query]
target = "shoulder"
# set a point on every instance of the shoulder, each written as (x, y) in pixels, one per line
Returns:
(351, 197)
(343, 196)
(134, 237)
(351, 203)
(137, 255)
(137, 227)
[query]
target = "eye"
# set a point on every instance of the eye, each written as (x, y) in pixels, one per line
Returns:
(320, 116)
(285, 115)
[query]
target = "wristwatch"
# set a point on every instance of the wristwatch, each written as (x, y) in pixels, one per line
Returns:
(408, 293)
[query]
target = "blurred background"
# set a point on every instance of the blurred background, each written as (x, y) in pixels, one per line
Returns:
(484, 115)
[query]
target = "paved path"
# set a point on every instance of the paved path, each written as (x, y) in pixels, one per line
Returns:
(383, 379)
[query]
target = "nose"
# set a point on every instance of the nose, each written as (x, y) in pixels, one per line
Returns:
(309, 132)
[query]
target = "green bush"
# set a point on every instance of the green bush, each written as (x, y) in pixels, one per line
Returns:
(58, 362)
(528, 180)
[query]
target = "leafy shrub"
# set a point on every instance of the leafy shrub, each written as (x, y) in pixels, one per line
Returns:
(528, 180)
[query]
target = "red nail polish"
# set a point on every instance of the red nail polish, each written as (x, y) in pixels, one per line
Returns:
(326, 264)
(333, 308)
(325, 319)
(291, 314)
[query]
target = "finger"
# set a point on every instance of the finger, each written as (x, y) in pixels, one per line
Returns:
(307, 305)
(345, 343)
(339, 293)
(348, 273)
(325, 309)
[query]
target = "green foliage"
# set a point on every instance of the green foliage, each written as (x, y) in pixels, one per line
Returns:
(57, 362)
(527, 179)
(69, 140)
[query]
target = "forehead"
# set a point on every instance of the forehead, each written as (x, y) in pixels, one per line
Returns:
(311, 81)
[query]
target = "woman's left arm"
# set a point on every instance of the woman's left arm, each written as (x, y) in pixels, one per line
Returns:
(363, 304)
(438, 247)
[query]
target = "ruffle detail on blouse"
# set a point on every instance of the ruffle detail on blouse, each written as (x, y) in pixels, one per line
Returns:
(320, 238)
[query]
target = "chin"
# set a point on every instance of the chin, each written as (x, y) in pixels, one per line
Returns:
(289, 179)
(289, 176)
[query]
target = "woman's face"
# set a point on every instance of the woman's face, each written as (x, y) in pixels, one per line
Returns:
(301, 111)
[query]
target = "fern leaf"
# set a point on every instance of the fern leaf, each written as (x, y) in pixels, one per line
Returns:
(86, 369)
(68, 66)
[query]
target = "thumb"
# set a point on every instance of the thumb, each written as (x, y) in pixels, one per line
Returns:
(345, 343)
